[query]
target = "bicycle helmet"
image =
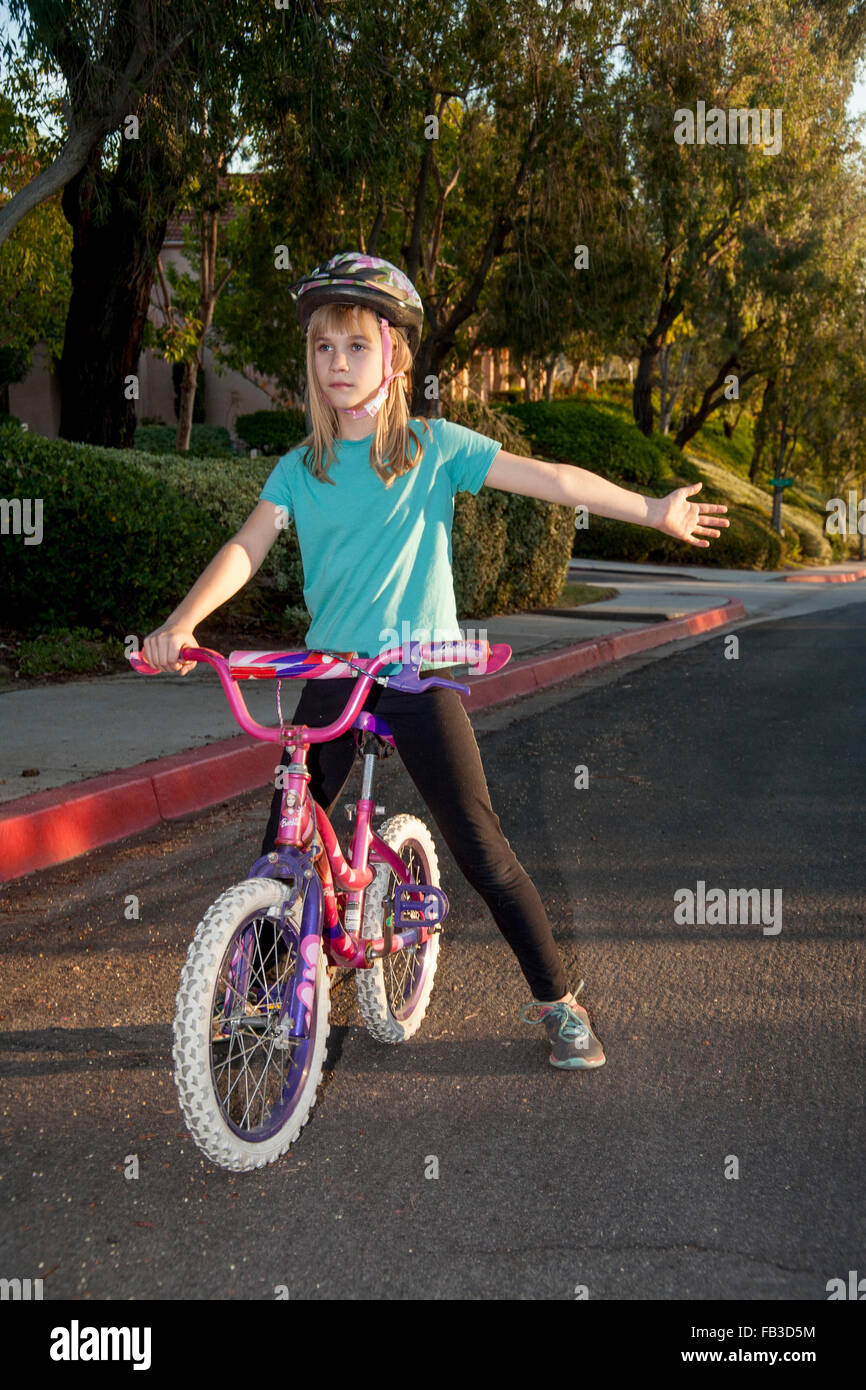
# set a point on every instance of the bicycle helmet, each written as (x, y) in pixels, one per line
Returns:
(370, 283)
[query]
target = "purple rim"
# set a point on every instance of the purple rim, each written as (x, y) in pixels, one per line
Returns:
(302, 1052)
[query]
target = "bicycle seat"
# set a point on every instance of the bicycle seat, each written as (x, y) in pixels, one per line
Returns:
(371, 723)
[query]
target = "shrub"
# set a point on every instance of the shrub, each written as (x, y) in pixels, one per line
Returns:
(125, 535)
(116, 545)
(64, 650)
(206, 441)
(272, 432)
(509, 552)
(601, 440)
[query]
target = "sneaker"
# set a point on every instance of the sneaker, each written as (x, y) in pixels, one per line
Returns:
(573, 1043)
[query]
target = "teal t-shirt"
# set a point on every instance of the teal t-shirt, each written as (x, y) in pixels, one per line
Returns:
(377, 561)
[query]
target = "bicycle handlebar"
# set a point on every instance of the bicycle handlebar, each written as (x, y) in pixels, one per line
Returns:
(302, 664)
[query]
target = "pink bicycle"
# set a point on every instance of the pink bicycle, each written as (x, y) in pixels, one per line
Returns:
(252, 1009)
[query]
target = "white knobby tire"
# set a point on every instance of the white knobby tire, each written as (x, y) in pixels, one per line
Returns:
(193, 1023)
(400, 833)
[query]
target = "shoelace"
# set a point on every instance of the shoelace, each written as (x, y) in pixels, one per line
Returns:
(570, 1025)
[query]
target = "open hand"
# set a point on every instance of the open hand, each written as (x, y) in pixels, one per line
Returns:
(686, 520)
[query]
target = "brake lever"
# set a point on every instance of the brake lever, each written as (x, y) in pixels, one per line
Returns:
(409, 678)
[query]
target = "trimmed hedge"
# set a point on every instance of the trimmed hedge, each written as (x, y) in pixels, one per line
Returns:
(594, 437)
(117, 545)
(205, 441)
(272, 432)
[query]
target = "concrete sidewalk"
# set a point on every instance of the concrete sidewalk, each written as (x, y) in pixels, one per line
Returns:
(117, 754)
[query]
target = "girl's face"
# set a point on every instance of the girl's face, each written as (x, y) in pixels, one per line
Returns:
(349, 361)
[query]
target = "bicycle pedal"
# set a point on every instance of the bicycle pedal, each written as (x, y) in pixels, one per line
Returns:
(410, 911)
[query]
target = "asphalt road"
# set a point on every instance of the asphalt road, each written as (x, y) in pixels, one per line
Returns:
(722, 1041)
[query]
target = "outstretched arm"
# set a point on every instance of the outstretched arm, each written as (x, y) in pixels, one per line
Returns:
(674, 515)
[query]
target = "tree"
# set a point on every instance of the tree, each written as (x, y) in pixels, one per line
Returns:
(707, 196)
(34, 276)
(187, 317)
(109, 57)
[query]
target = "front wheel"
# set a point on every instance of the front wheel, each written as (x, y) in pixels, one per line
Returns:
(393, 993)
(245, 1089)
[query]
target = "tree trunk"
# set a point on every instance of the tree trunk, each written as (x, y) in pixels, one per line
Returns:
(642, 400)
(691, 423)
(529, 379)
(760, 436)
(189, 381)
(549, 367)
(666, 403)
(113, 264)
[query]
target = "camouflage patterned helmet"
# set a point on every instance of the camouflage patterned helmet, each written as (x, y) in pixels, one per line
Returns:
(352, 278)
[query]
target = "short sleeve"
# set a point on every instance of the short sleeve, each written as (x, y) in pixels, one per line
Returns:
(277, 489)
(467, 455)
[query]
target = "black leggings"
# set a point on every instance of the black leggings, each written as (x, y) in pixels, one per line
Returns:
(437, 745)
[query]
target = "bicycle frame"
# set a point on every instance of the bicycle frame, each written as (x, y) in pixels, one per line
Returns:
(308, 851)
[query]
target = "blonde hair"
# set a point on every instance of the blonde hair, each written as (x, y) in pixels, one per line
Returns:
(389, 444)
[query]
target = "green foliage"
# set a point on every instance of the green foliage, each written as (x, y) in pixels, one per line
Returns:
(206, 441)
(69, 651)
(35, 284)
(489, 419)
(748, 543)
(117, 545)
(602, 440)
(478, 541)
(735, 453)
(537, 551)
(272, 432)
(509, 552)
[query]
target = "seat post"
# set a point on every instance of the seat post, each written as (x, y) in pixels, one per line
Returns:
(367, 778)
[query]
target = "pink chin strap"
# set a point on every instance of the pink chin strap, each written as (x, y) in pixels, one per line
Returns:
(372, 407)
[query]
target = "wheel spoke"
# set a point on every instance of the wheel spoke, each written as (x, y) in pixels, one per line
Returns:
(251, 1065)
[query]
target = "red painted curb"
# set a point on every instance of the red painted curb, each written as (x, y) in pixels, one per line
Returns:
(37, 832)
(534, 673)
(848, 578)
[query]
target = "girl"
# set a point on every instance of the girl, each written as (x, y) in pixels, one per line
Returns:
(372, 495)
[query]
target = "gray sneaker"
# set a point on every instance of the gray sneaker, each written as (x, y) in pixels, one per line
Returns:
(573, 1043)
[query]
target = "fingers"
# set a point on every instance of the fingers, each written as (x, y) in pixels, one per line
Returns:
(162, 651)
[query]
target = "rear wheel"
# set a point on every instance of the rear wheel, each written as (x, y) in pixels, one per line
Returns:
(393, 994)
